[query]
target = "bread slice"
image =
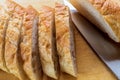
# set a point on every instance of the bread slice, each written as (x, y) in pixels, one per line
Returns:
(47, 44)
(4, 18)
(103, 13)
(64, 39)
(12, 54)
(29, 45)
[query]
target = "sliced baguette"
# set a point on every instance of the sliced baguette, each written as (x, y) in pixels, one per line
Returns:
(64, 38)
(47, 42)
(103, 13)
(29, 45)
(4, 18)
(12, 54)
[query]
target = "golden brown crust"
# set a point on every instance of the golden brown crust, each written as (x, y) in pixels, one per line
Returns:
(30, 57)
(110, 10)
(46, 46)
(12, 55)
(3, 25)
(10, 6)
(62, 22)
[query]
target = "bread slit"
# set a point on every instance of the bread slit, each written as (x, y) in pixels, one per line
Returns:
(29, 45)
(12, 55)
(65, 39)
(47, 44)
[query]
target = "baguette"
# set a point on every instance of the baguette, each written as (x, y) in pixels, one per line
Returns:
(47, 42)
(103, 13)
(4, 18)
(12, 40)
(29, 45)
(64, 39)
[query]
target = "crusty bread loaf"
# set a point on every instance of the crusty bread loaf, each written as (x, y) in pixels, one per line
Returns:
(64, 39)
(47, 42)
(103, 13)
(29, 45)
(12, 54)
(4, 18)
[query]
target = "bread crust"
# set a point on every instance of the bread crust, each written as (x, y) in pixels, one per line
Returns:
(110, 10)
(29, 46)
(4, 18)
(64, 39)
(103, 13)
(12, 40)
(46, 42)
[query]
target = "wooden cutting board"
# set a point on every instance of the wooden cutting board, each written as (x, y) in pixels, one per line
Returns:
(90, 67)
